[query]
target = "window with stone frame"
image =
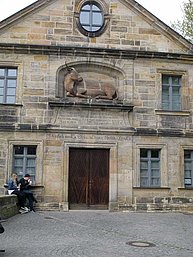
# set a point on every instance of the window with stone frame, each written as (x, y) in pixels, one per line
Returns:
(24, 161)
(8, 83)
(91, 18)
(188, 168)
(171, 92)
(149, 167)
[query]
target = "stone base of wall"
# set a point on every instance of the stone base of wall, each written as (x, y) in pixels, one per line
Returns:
(8, 206)
(158, 204)
(169, 204)
(157, 208)
(47, 206)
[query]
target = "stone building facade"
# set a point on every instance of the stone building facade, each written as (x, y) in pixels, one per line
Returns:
(130, 151)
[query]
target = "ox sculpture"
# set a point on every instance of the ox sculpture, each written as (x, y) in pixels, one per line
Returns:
(76, 86)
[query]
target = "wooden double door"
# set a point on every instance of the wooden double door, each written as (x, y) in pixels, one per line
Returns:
(88, 178)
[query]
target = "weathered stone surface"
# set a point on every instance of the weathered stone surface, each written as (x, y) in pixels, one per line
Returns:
(131, 53)
(8, 206)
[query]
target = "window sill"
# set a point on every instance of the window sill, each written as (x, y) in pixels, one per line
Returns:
(152, 188)
(174, 113)
(185, 188)
(16, 105)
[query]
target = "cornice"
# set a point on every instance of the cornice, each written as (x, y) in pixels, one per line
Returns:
(90, 52)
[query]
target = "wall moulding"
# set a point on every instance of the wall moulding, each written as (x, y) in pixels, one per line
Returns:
(119, 106)
(88, 52)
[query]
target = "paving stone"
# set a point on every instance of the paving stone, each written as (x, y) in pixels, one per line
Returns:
(98, 234)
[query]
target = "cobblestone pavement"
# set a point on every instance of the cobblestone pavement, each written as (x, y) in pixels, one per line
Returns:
(98, 234)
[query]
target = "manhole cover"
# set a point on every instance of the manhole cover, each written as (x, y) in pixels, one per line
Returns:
(140, 244)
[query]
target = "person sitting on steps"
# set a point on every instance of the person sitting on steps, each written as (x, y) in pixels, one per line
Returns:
(25, 187)
(13, 188)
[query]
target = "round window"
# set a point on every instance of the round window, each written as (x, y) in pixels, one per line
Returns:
(91, 19)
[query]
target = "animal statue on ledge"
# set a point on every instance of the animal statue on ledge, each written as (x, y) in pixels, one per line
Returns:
(76, 86)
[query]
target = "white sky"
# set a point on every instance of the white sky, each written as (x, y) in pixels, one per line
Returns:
(166, 10)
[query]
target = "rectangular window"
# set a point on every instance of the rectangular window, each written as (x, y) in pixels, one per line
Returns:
(8, 82)
(171, 93)
(24, 161)
(188, 168)
(149, 167)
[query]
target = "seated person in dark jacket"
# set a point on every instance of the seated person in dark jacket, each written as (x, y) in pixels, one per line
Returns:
(25, 187)
(13, 188)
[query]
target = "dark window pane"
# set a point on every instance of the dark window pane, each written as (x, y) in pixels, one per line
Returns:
(165, 90)
(171, 93)
(155, 164)
(18, 162)
(187, 173)
(144, 173)
(143, 153)
(165, 80)
(30, 171)
(149, 167)
(155, 182)
(19, 171)
(187, 154)
(144, 165)
(155, 153)
(155, 173)
(25, 161)
(188, 168)
(30, 162)
(19, 149)
(175, 80)
(143, 182)
(31, 150)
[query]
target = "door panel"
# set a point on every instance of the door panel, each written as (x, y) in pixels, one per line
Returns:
(99, 177)
(78, 177)
(89, 177)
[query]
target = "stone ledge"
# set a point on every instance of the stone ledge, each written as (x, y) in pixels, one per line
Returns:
(89, 51)
(8, 206)
(89, 105)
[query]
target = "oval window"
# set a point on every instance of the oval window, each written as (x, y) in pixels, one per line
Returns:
(91, 18)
